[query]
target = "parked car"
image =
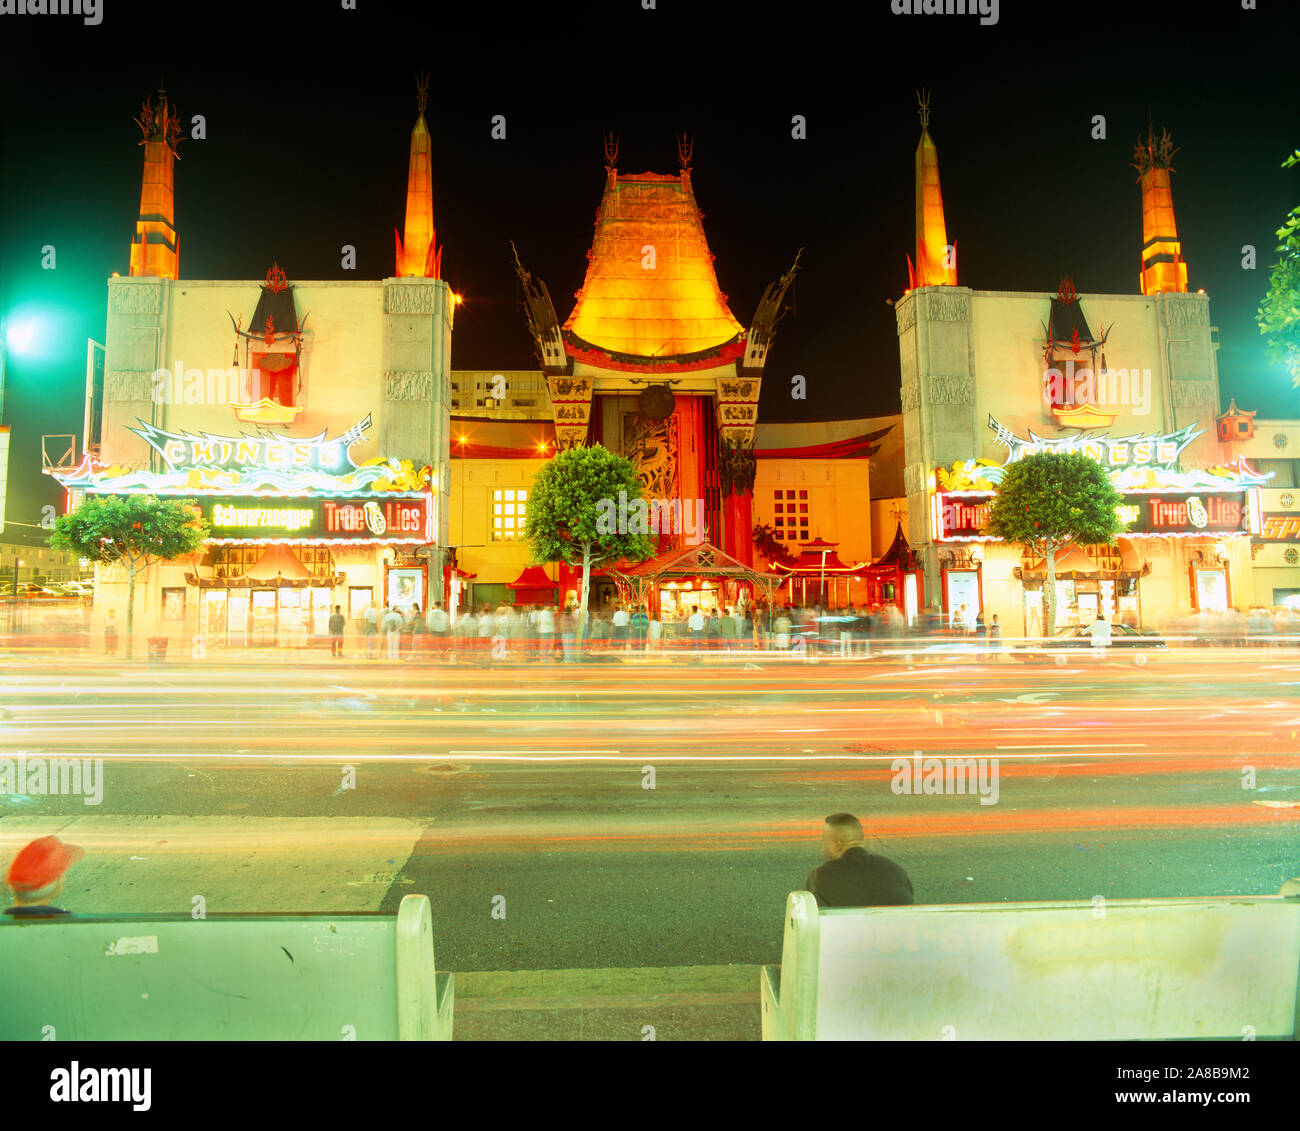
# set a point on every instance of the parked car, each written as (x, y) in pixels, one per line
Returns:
(75, 588)
(1074, 639)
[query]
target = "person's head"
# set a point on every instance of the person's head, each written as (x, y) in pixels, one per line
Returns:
(338, 608)
(841, 832)
(695, 608)
(1101, 615)
(36, 874)
(995, 618)
(437, 604)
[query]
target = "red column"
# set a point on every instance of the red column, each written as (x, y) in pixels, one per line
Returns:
(738, 517)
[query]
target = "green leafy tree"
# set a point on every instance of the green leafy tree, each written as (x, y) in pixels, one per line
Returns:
(1279, 313)
(1048, 501)
(570, 505)
(136, 530)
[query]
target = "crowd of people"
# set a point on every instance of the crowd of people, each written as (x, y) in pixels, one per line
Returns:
(554, 632)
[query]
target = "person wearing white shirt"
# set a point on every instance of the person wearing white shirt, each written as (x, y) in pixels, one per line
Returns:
(696, 624)
(620, 622)
(1099, 630)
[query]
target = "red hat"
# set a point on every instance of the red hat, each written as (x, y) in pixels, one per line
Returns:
(41, 863)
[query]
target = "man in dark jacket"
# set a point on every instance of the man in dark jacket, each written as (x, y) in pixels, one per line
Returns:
(852, 876)
(336, 625)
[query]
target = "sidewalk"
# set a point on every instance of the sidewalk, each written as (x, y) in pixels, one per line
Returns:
(684, 1003)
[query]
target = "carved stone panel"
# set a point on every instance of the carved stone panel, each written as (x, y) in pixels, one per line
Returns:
(949, 308)
(1187, 313)
(410, 298)
(1193, 393)
(135, 298)
(905, 314)
(128, 385)
(909, 396)
(914, 479)
(952, 390)
(408, 385)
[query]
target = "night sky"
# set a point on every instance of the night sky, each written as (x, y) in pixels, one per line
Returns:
(309, 111)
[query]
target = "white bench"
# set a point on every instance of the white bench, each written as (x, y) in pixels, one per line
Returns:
(309, 977)
(1146, 969)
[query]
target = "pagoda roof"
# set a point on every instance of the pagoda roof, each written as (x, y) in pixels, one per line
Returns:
(810, 561)
(899, 553)
(673, 310)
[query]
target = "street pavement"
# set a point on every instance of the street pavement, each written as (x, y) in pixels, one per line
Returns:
(631, 815)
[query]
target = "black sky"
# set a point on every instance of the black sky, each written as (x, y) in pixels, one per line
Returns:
(309, 110)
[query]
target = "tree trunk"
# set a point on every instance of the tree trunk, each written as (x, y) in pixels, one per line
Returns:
(1049, 596)
(583, 593)
(130, 605)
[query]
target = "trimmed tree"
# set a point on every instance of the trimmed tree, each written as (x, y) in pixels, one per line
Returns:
(1279, 313)
(136, 530)
(585, 508)
(1047, 502)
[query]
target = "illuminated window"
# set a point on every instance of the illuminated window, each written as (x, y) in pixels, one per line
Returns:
(791, 518)
(509, 506)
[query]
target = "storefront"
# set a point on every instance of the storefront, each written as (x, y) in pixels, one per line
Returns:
(1183, 550)
(1184, 547)
(296, 528)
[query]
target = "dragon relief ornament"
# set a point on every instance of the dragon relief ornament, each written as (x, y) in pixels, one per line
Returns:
(736, 468)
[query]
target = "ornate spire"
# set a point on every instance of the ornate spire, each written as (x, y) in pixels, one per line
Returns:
(419, 256)
(155, 249)
(685, 150)
(936, 263)
(1163, 269)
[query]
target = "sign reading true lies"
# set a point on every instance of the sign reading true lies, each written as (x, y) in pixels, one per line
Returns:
(964, 515)
(393, 517)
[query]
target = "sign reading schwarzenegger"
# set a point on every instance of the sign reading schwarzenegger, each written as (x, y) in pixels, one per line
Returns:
(391, 518)
(963, 516)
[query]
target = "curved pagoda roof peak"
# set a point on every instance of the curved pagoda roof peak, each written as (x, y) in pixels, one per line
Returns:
(650, 290)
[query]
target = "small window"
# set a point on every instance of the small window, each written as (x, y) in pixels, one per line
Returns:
(509, 507)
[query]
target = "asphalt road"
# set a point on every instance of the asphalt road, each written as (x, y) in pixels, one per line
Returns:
(650, 814)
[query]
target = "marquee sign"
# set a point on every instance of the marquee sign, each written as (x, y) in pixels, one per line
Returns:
(962, 516)
(388, 518)
(1151, 450)
(1278, 527)
(186, 451)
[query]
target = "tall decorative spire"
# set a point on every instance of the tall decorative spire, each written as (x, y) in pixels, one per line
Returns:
(420, 255)
(935, 265)
(155, 250)
(1163, 268)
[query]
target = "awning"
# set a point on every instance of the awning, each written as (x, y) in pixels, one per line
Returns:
(278, 562)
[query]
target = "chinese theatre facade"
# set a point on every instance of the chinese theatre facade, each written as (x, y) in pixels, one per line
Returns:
(652, 364)
(989, 377)
(308, 421)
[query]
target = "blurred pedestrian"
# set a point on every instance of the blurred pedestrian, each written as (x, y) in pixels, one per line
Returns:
(546, 633)
(336, 626)
(639, 625)
(371, 617)
(727, 629)
(110, 633)
(1100, 633)
(568, 628)
(391, 624)
(36, 876)
(621, 622)
(439, 629)
(696, 625)
(781, 627)
(852, 876)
